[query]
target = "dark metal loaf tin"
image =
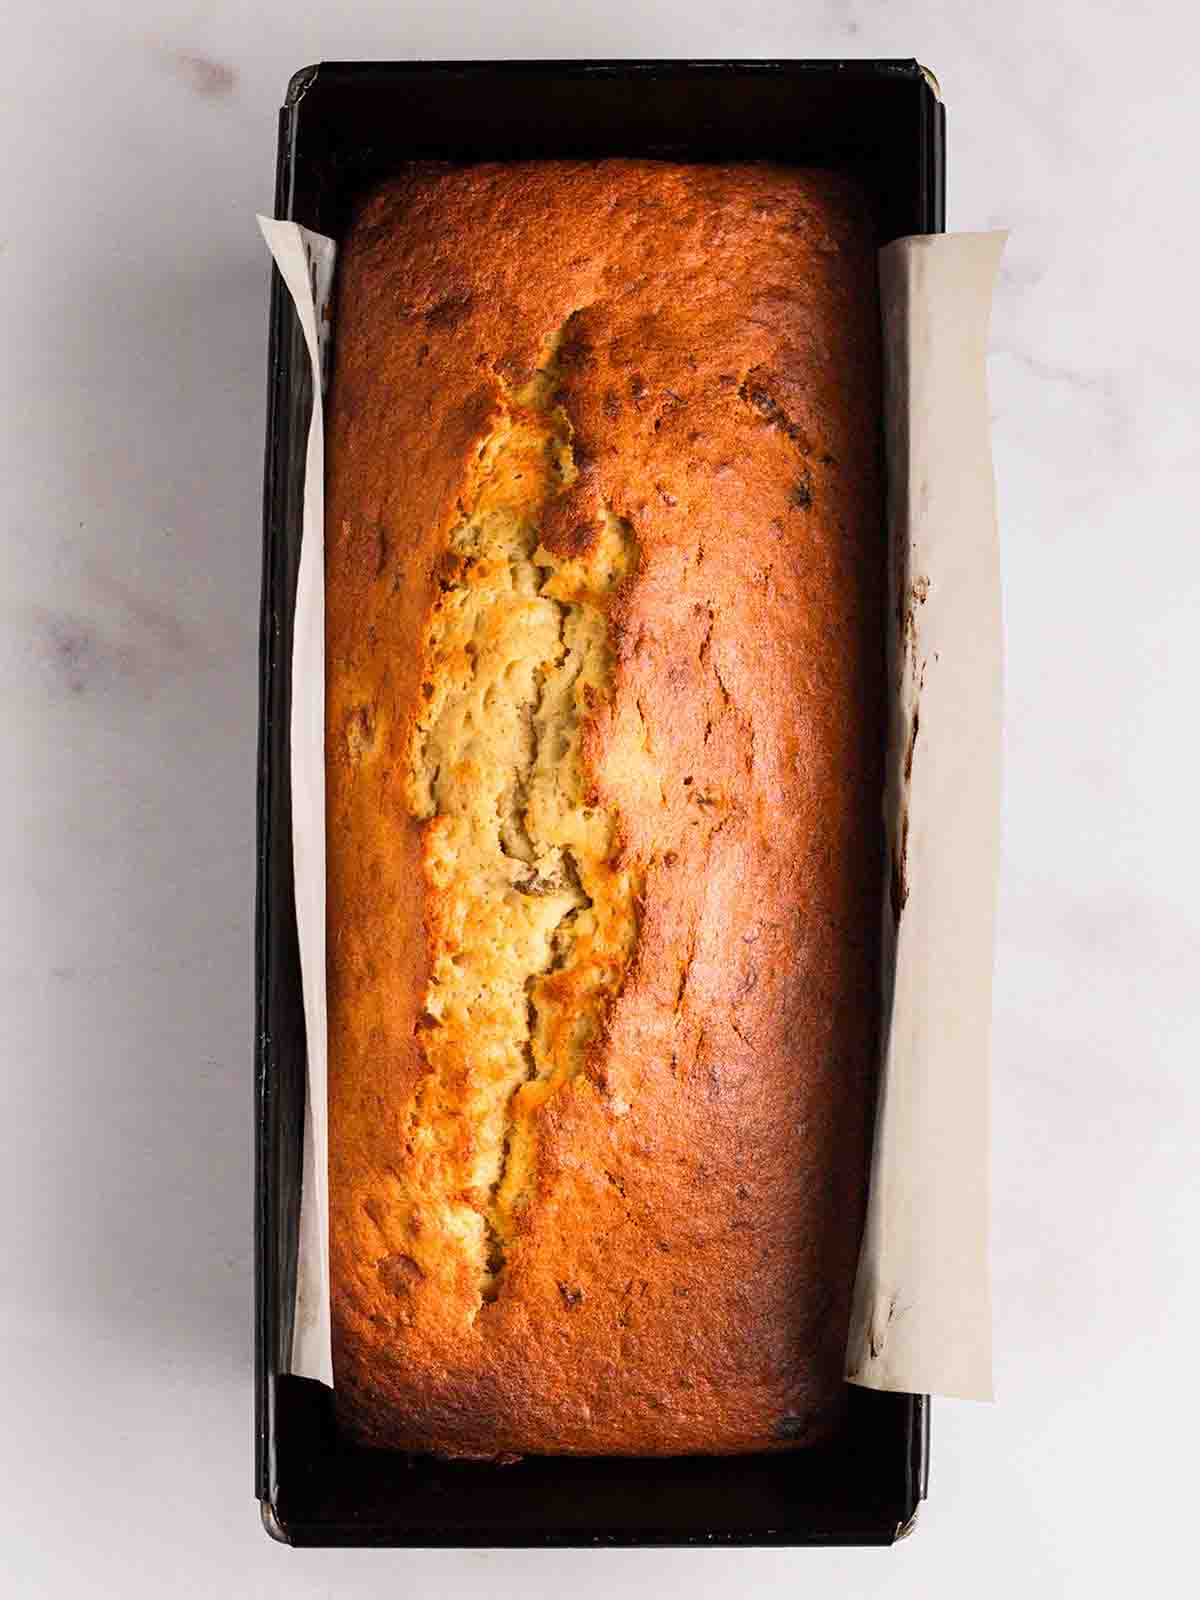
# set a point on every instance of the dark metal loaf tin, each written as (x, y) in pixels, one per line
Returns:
(345, 125)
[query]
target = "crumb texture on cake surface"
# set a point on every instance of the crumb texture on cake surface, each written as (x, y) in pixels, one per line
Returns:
(605, 563)
(533, 916)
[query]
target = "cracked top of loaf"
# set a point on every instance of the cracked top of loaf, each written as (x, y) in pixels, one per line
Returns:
(605, 560)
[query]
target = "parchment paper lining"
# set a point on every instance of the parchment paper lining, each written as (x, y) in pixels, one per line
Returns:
(306, 261)
(922, 1312)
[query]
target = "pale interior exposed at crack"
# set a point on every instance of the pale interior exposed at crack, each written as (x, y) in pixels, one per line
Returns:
(534, 921)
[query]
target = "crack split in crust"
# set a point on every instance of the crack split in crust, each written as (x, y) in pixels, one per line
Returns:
(533, 915)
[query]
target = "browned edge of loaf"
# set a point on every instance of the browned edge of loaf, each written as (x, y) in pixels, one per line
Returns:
(680, 1276)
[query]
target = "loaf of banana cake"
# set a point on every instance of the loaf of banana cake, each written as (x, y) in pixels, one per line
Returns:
(605, 575)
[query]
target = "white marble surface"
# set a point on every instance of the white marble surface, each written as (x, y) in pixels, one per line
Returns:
(138, 143)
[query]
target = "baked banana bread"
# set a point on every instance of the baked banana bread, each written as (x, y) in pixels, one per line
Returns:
(605, 565)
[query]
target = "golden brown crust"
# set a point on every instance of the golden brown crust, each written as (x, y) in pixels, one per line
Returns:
(677, 1277)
